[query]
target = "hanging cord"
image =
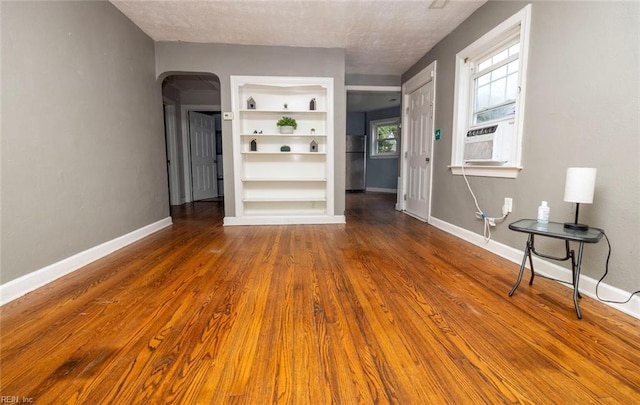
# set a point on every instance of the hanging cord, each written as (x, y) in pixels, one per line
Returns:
(488, 221)
(606, 270)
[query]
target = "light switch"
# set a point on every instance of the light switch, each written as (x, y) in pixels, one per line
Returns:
(227, 116)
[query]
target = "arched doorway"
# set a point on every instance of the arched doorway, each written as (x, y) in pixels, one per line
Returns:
(193, 136)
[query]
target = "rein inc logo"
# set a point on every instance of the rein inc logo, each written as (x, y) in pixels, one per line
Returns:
(14, 399)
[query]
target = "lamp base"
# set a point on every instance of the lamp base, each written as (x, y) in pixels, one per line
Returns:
(576, 227)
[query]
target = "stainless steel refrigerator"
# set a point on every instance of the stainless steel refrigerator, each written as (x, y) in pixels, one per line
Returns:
(356, 162)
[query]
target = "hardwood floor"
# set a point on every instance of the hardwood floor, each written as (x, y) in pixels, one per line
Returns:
(385, 309)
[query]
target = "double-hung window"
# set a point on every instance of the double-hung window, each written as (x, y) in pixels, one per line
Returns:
(490, 85)
(495, 85)
(384, 137)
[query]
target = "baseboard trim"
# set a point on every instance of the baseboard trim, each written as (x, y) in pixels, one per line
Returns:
(547, 268)
(381, 190)
(18, 287)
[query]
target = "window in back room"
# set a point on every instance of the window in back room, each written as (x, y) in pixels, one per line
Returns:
(384, 138)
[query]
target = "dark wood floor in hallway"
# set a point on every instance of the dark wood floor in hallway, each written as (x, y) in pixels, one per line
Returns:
(384, 309)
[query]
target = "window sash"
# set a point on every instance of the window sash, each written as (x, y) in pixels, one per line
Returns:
(505, 107)
(505, 46)
(380, 142)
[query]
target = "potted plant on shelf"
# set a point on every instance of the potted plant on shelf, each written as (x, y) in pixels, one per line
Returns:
(287, 125)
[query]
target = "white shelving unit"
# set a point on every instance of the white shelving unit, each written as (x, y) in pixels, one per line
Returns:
(272, 186)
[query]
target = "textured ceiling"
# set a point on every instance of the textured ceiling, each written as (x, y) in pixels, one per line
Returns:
(379, 36)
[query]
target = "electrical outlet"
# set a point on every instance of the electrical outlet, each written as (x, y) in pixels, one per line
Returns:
(508, 204)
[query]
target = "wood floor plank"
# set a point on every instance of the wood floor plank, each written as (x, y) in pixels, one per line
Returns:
(384, 309)
(310, 384)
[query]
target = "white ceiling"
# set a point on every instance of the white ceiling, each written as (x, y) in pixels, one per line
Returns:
(383, 37)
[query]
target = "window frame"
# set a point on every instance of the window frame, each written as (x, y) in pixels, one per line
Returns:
(516, 26)
(479, 73)
(373, 143)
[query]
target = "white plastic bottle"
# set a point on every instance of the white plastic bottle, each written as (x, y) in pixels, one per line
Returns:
(543, 213)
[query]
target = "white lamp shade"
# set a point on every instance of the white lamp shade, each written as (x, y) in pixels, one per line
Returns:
(580, 184)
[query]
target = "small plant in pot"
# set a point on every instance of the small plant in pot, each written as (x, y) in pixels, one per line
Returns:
(287, 125)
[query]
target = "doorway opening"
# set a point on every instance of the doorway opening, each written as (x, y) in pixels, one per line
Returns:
(194, 137)
(367, 108)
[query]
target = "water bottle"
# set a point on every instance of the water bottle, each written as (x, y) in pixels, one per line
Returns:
(543, 213)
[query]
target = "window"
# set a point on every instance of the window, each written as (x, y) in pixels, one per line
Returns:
(384, 137)
(489, 90)
(495, 86)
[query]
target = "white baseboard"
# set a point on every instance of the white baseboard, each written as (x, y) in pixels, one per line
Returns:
(382, 190)
(547, 268)
(17, 288)
(275, 220)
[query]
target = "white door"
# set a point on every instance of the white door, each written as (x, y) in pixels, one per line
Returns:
(418, 151)
(202, 136)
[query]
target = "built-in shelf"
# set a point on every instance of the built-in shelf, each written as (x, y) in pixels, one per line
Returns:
(280, 179)
(284, 135)
(284, 153)
(283, 111)
(265, 190)
(275, 200)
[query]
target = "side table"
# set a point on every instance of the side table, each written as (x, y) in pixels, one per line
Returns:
(555, 230)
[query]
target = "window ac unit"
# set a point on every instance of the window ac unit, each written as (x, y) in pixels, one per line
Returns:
(490, 144)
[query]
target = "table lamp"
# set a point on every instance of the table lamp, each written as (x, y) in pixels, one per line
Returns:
(578, 188)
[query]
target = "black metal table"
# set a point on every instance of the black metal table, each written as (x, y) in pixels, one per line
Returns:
(555, 230)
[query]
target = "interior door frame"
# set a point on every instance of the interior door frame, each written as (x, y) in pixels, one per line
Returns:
(374, 89)
(171, 135)
(186, 143)
(423, 77)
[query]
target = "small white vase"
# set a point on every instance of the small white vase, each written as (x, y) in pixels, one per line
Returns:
(286, 130)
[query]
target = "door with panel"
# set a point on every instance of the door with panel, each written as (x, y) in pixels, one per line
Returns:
(202, 137)
(418, 152)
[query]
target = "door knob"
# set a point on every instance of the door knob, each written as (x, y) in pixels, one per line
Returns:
(427, 159)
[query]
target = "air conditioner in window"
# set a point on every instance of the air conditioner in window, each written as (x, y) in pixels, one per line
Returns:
(489, 144)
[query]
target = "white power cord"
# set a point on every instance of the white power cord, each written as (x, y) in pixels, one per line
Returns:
(488, 221)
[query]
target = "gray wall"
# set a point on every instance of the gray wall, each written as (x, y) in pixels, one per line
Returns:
(582, 109)
(226, 60)
(382, 172)
(83, 155)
